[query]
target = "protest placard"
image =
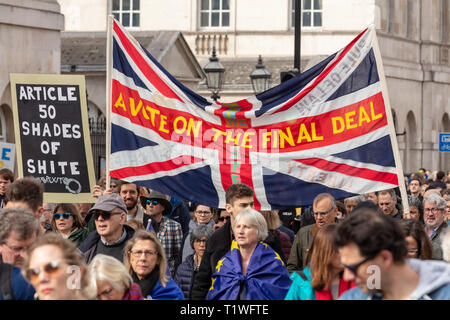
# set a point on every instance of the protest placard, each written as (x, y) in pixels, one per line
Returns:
(52, 134)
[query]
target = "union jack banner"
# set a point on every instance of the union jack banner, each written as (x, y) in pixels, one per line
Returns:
(326, 130)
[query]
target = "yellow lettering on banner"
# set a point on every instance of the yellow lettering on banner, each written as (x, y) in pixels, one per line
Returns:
(135, 111)
(372, 112)
(315, 137)
(120, 103)
(194, 127)
(275, 138)
(230, 138)
(303, 134)
(265, 138)
(349, 120)
(162, 124)
(152, 114)
(175, 126)
(218, 133)
(363, 116)
(286, 137)
(335, 121)
(246, 139)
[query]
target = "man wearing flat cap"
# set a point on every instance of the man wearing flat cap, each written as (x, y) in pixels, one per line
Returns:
(110, 236)
(168, 231)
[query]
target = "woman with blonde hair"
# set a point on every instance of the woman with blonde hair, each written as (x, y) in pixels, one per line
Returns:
(146, 262)
(322, 279)
(112, 280)
(56, 269)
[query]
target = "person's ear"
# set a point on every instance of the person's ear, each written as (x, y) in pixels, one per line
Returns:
(39, 212)
(228, 207)
(386, 258)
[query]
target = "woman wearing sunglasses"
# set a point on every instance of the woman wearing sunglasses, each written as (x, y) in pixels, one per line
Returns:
(322, 279)
(146, 262)
(68, 223)
(56, 269)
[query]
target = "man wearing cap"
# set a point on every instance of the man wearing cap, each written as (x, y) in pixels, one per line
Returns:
(168, 231)
(110, 236)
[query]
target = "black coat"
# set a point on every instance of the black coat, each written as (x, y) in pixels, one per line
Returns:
(89, 246)
(184, 277)
(216, 247)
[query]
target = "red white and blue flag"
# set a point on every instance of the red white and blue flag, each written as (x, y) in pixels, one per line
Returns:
(325, 130)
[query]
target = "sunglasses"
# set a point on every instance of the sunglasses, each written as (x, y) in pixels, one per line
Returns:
(50, 268)
(153, 202)
(224, 218)
(65, 216)
(354, 268)
(105, 215)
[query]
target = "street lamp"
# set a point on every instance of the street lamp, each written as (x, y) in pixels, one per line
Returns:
(260, 77)
(214, 75)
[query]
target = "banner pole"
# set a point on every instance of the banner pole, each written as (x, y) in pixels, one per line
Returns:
(109, 36)
(392, 133)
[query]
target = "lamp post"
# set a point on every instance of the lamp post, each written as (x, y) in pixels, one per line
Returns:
(214, 75)
(260, 77)
(287, 75)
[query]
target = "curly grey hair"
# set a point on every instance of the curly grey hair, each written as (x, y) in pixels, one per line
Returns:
(202, 230)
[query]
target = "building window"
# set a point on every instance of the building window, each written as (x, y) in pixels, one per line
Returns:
(311, 13)
(127, 12)
(214, 13)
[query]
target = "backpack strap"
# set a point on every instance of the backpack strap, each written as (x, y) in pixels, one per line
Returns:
(6, 291)
(302, 275)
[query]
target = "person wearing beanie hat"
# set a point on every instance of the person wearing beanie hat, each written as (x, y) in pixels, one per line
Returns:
(111, 234)
(157, 206)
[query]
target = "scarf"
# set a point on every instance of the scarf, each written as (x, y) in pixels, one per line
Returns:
(266, 279)
(148, 283)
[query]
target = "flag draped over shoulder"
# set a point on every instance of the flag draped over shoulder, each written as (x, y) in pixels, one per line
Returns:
(266, 279)
(325, 130)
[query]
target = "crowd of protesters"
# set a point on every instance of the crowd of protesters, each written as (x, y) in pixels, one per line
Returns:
(138, 244)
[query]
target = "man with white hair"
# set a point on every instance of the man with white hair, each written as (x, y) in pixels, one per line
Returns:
(433, 216)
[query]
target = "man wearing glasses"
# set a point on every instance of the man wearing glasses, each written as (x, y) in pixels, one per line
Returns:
(325, 210)
(18, 230)
(373, 252)
(433, 215)
(110, 236)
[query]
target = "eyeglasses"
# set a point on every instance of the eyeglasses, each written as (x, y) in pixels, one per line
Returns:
(65, 215)
(17, 249)
(413, 250)
(50, 268)
(224, 218)
(354, 268)
(200, 240)
(433, 210)
(203, 213)
(323, 213)
(153, 202)
(105, 215)
(138, 253)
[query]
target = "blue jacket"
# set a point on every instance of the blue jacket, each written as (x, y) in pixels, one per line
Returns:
(434, 282)
(22, 290)
(170, 292)
(184, 276)
(180, 213)
(301, 289)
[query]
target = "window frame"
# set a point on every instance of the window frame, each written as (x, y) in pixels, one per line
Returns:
(312, 10)
(131, 11)
(210, 11)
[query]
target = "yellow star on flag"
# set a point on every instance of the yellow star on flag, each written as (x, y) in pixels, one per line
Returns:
(212, 284)
(234, 245)
(219, 264)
